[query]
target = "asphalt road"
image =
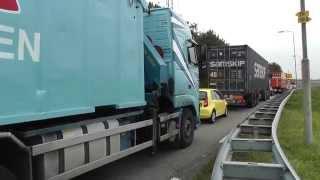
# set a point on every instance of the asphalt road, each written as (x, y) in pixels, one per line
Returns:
(168, 163)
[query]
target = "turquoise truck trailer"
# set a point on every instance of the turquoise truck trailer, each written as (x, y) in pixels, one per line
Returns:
(85, 83)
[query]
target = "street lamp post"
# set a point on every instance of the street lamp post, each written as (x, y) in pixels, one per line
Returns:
(294, 52)
(303, 19)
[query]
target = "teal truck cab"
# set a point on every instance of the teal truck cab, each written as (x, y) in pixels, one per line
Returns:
(85, 83)
(177, 63)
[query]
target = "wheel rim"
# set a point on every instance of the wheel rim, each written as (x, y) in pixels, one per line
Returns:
(213, 117)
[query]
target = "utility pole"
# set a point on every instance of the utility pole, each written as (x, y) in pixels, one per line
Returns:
(303, 19)
(294, 52)
(295, 58)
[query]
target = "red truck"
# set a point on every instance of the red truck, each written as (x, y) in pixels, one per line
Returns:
(280, 82)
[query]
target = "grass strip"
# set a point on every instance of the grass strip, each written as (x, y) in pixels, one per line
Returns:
(205, 172)
(304, 158)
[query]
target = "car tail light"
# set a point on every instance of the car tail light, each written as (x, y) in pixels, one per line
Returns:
(206, 102)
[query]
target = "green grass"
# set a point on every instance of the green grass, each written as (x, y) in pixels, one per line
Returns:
(304, 158)
(205, 172)
(258, 157)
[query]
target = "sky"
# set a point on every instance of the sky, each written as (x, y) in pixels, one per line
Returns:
(256, 23)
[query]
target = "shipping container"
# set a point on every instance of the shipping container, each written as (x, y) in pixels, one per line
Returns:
(85, 83)
(239, 72)
(70, 61)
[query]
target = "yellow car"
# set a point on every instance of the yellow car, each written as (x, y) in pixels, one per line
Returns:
(212, 104)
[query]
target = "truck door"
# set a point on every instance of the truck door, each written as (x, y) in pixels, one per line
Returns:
(193, 65)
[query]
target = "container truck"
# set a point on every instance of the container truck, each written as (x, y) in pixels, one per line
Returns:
(85, 83)
(281, 82)
(239, 72)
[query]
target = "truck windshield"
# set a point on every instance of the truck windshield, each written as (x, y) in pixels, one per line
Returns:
(202, 95)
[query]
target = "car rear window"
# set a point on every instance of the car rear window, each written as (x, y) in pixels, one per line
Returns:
(202, 95)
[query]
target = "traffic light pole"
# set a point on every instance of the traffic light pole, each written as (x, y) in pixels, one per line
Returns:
(306, 81)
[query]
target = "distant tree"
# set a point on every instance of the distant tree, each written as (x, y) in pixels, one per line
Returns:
(153, 5)
(274, 68)
(208, 38)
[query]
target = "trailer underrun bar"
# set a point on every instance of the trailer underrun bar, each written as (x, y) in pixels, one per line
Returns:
(257, 133)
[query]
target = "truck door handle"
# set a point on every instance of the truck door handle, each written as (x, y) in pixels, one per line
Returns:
(189, 86)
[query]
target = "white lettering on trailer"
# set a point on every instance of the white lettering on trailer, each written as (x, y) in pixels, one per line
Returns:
(5, 55)
(214, 64)
(259, 71)
(7, 29)
(23, 43)
(6, 41)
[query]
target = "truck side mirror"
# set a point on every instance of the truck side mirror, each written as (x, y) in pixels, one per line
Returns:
(193, 42)
(193, 55)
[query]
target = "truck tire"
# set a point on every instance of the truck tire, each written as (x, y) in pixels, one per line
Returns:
(256, 99)
(263, 96)
(267, 95)
(250, 101)
(187, 128)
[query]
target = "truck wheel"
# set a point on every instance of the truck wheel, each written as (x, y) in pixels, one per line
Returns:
(187, 128)
(263, 96)
(269, 95)
(256, 99)
(249, 100)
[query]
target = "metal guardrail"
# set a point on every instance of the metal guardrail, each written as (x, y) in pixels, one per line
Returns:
(257, 133)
